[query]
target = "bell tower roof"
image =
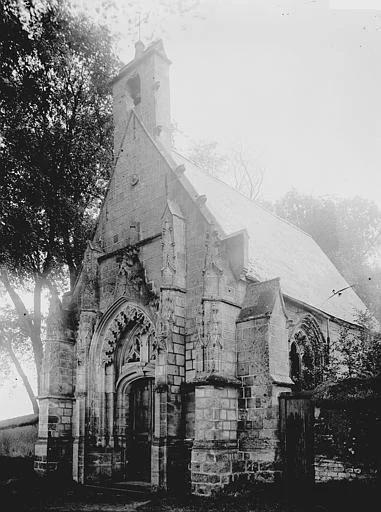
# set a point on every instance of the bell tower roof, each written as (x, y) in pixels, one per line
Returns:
(142, 86)
(141, 53)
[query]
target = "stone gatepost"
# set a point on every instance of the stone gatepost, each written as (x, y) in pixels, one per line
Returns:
(53, 450)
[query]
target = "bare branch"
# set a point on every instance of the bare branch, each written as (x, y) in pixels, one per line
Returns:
(6, 342)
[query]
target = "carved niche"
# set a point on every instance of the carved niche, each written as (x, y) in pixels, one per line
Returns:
(200, 341)
(130, 277)
(209, 340)
(85, 332)
(90, 295)
(213, 267)
(173, 246)
(55, 325)
(164, 324)
(168, 251)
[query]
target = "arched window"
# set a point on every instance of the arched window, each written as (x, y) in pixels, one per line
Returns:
(307, 349)
(133, 87)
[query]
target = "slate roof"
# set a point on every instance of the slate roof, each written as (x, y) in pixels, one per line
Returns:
(277, 248)
(260, 299)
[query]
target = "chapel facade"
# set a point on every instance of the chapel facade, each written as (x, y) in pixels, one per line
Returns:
(194, 309)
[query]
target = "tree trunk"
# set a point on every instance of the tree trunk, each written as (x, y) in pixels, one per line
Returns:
(36, 336)
(73, 276)
(23, 376)
(32, 325)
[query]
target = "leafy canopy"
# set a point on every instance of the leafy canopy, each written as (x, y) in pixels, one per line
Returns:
(55, 133)
(349, 232)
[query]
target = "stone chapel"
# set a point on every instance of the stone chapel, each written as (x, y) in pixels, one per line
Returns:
(194, 309)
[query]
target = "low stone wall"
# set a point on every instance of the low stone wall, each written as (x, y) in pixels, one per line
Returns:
(18, 436)
(347, 439)
(332, 469)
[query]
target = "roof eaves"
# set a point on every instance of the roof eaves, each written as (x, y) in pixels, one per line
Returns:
(320, 311)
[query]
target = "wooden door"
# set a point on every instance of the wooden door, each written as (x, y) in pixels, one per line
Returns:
(296, 422)
(141, 420)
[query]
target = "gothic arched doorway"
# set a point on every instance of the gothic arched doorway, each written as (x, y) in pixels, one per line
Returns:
(123, 361)
(140, 430)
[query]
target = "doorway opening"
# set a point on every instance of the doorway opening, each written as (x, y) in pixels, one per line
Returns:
(140, 430)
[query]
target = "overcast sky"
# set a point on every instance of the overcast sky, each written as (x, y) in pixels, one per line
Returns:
(296, 82)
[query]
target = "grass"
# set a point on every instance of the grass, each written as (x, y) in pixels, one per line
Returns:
(31, 495)
(330, 497)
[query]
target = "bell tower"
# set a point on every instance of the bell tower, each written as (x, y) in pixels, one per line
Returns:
(143, 85)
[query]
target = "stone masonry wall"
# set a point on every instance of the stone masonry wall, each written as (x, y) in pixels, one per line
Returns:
(215, 447)
(347, 439)
(263, 370)
(327, 470)
(258, 415)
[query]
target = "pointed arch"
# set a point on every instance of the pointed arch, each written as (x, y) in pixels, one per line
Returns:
(307, 352)
(124, 344)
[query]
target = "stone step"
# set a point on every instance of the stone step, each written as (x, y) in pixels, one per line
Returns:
(137, 489)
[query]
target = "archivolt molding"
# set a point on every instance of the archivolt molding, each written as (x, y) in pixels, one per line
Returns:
(307, 353)
(308, 328)
(133, 372)
(123, 314)
(130, 313)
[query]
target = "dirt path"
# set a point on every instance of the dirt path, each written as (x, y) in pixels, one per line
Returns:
(91, 507)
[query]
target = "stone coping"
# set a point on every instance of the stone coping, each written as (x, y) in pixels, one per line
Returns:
(19, 421)
(215, 445)
(215, 380)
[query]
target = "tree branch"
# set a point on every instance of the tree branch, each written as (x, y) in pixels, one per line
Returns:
(21, 310)
(7, 344)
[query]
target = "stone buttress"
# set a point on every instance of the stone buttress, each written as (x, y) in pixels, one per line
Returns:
(53, 450)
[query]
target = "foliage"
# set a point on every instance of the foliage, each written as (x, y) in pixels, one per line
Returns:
(236, 168)
(205, 154)
(15, 351)
(55, 147)
(55, 124)
(356, 354)
(349, 232)
(349, 431)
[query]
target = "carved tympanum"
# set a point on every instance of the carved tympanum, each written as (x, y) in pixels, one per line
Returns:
(130, 315)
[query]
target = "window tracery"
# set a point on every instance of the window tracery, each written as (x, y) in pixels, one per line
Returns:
(307, 349)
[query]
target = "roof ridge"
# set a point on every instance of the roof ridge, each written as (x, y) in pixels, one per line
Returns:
(243, 195)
